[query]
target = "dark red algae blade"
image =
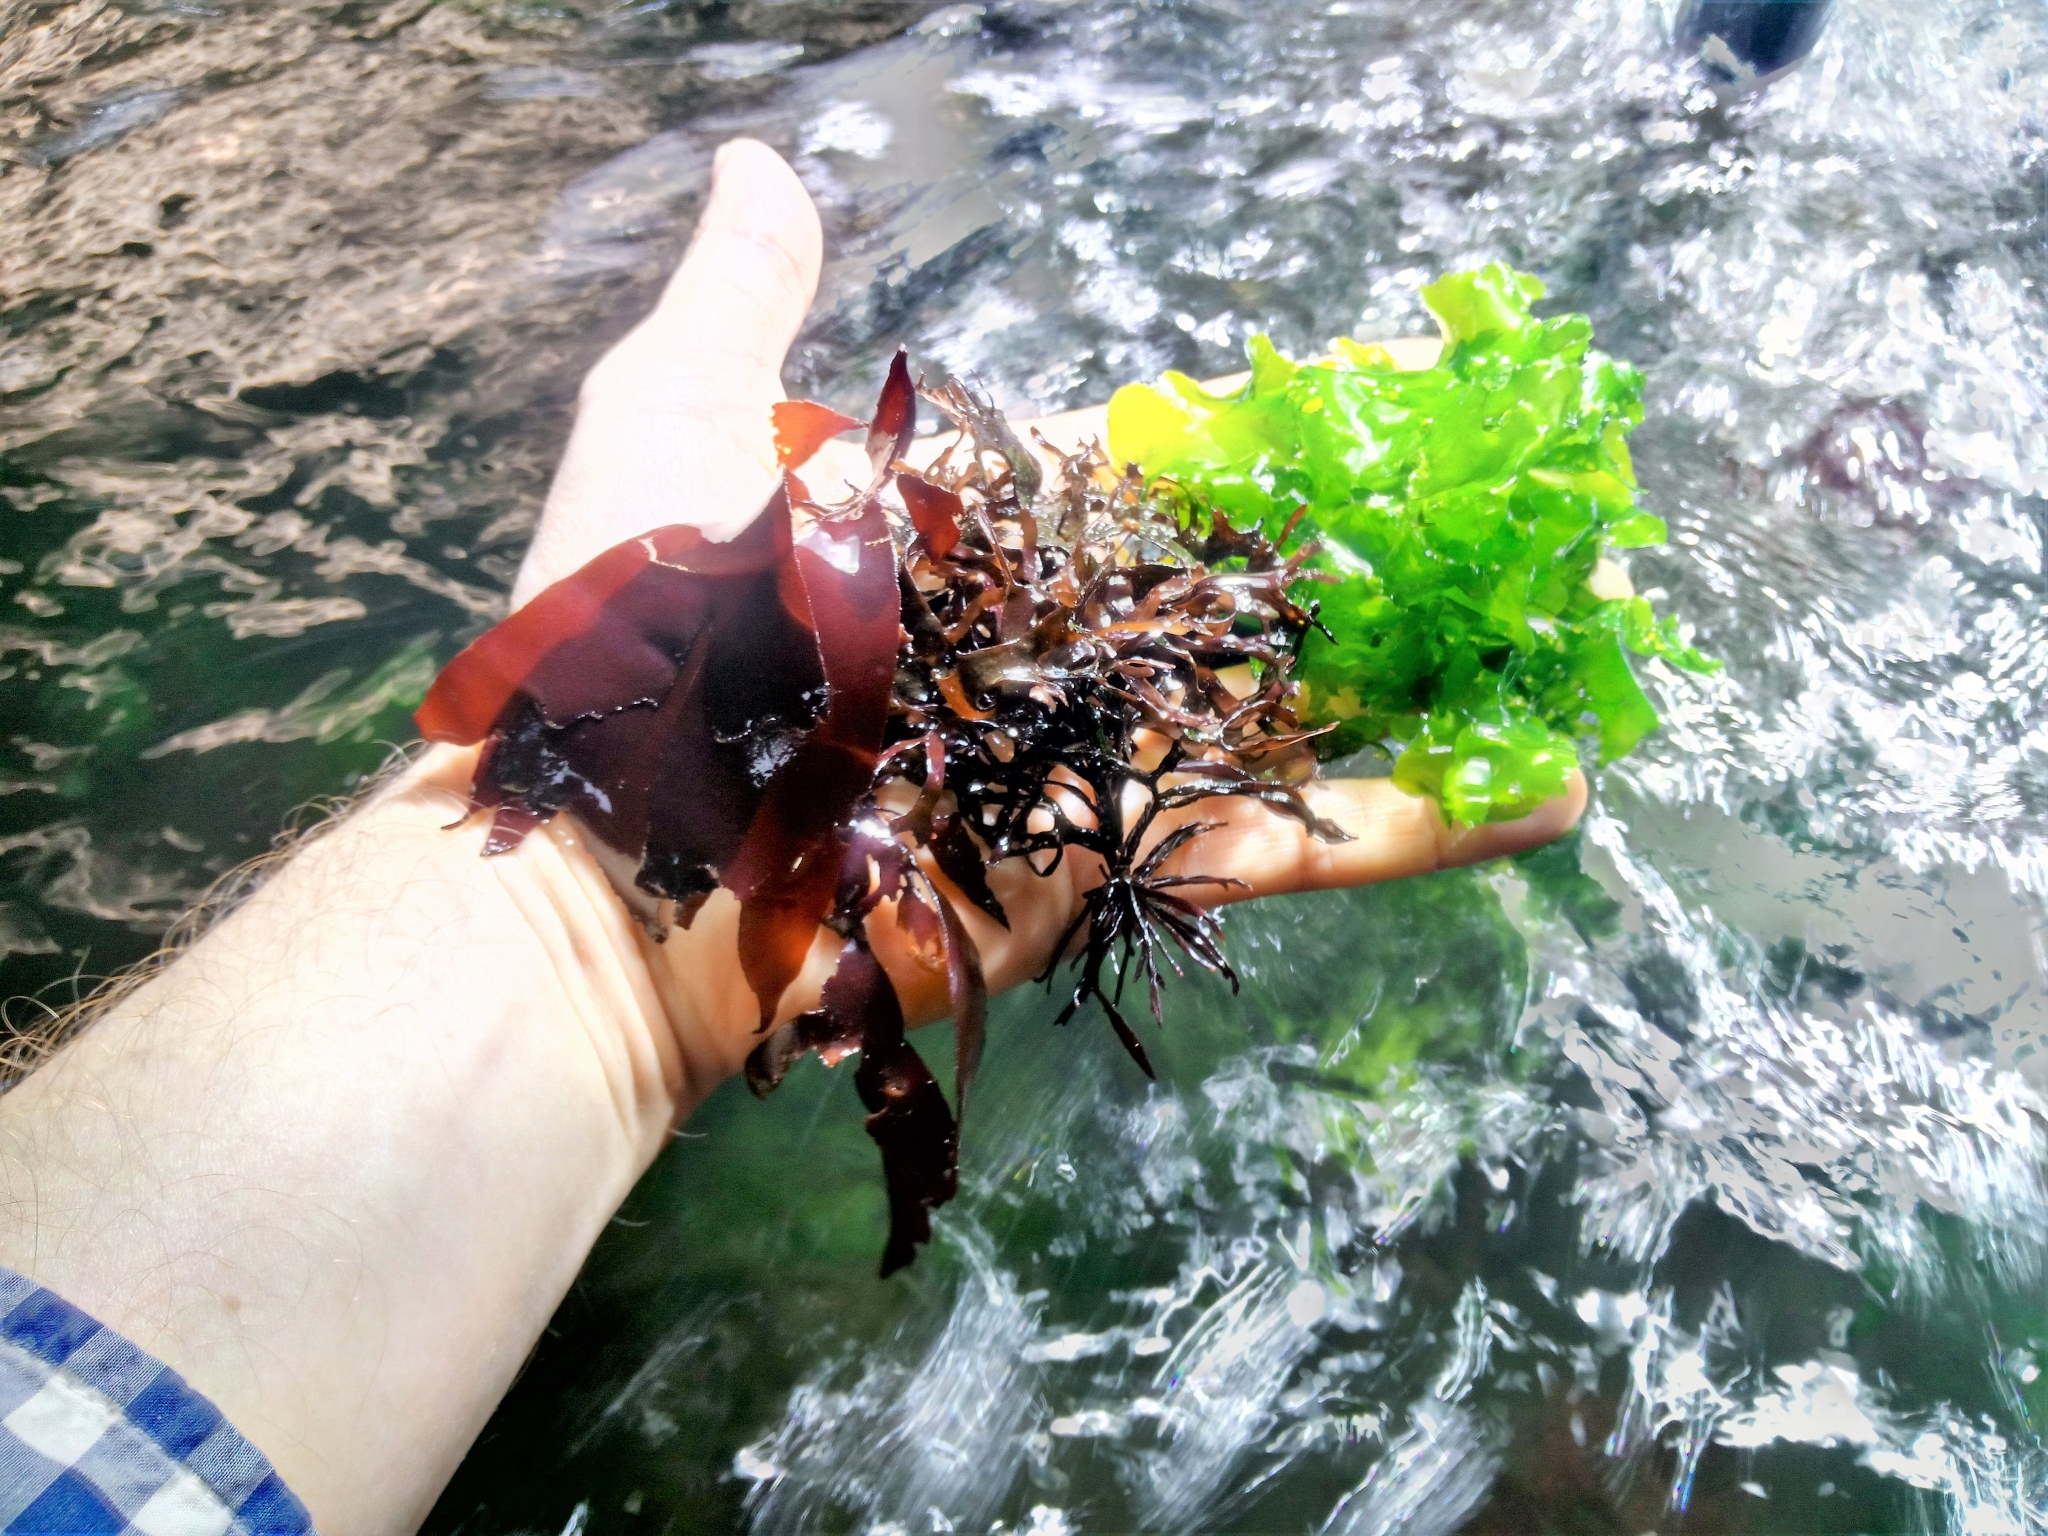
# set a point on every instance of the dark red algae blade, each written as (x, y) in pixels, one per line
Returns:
(786, 873)
(802, 427)
(671, 661)
(935, 513)
(834, 1039)
(961, 861)
(907, 1114)
(787, 870)
(967, 996)
(584, 641)
(894, 428)
(874, 868)
(669, 648)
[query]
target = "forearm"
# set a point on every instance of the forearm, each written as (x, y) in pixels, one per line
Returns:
(340, 1163)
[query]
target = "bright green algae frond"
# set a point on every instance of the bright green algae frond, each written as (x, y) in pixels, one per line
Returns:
(1461, 511)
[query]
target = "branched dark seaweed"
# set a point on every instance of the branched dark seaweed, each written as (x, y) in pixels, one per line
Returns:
(1079, 659)
(1084, 671)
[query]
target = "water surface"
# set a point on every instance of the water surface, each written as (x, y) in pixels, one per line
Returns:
(1691, 1175)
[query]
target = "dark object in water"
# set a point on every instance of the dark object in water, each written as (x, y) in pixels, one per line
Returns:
(1748, 42)
(851, 703)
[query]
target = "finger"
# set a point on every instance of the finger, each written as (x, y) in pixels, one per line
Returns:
(750, 273)
(1393, 835)
(672, 425)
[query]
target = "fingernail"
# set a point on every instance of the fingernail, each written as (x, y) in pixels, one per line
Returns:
(1489, 840)
(743, 199)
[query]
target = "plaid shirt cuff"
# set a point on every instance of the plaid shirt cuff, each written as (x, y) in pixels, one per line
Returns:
(95, 1436)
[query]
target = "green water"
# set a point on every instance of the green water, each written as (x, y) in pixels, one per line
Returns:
(1692, 1175)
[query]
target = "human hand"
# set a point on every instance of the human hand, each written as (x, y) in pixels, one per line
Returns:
(673, 426)
(340, 1162)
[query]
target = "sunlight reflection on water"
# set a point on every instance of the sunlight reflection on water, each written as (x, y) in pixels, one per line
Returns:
(1704, 1168)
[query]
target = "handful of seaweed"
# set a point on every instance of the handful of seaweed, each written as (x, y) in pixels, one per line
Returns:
(860, 705)
(857, 706)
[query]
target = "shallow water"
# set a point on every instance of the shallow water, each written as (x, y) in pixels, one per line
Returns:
(1692, 1175)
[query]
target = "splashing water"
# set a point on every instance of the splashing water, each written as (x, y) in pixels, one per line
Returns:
(1693, 1173)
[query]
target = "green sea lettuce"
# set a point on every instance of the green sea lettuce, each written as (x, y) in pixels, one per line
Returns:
(1464, 513)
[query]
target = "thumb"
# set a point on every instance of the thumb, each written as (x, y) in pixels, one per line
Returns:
(672, 424)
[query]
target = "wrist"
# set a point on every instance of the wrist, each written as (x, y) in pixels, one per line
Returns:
(669, 1017)
(561, 917)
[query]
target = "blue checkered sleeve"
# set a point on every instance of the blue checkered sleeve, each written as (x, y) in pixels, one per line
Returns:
(97, 1437)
